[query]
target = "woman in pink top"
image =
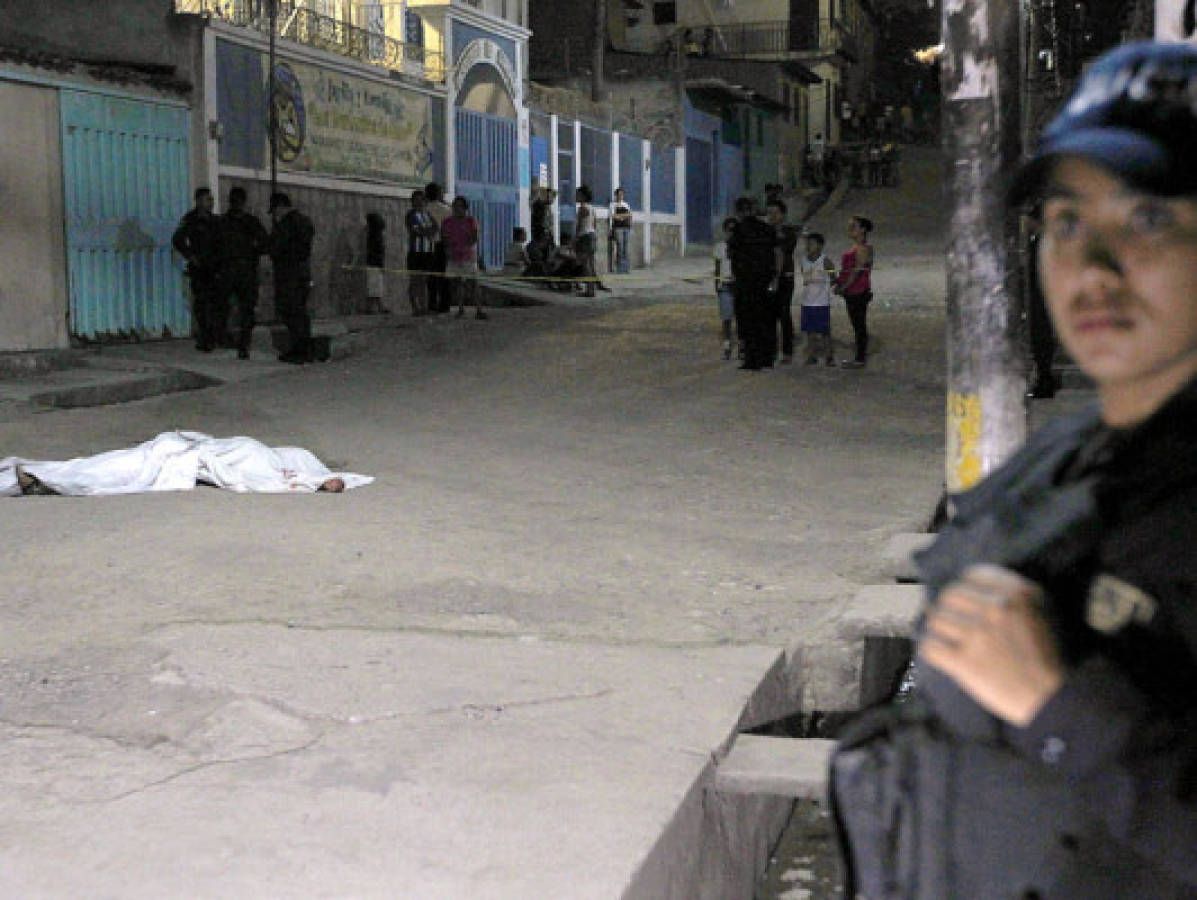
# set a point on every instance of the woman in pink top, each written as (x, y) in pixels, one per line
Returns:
(459, 232)
(855, 286)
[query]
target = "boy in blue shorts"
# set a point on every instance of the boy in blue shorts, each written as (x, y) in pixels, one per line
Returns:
(817, 271)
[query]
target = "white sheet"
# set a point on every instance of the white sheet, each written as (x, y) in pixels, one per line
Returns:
(178, 461)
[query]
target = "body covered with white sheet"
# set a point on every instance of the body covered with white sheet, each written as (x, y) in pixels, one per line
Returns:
(178, 461)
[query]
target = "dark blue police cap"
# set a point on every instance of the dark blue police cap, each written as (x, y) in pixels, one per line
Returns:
(1133, 113)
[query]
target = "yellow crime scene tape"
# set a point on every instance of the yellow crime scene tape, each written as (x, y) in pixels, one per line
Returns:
(481, 275)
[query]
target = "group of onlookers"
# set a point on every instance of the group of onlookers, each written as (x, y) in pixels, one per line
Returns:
(442, 253)
(757, 269)
(222, 254)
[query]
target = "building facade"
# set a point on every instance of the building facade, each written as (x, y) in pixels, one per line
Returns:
(111, 115)
(98, 149)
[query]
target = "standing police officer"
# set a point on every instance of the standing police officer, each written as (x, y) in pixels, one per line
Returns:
(195, 240)
(751, 247)
(1050, 747)
(241, 239)
(291, 253)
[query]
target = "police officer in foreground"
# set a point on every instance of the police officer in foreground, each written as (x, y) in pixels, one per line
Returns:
(195, 240)
(241, 240)
(1050, 747)
(291, 252)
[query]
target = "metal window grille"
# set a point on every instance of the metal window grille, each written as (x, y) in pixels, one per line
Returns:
(664, 181)
(596, 163)
(631, 169)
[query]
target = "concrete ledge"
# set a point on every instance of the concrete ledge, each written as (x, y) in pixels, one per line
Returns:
(779, 766)
(898, 555)
(121, 390)
(31, 362)
(881, 610)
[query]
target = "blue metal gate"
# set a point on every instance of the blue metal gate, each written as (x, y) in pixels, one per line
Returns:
(488, 176)
(541, 165)
(125, 185)
(700, 168)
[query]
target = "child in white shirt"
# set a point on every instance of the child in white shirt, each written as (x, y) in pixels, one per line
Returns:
(817, 271)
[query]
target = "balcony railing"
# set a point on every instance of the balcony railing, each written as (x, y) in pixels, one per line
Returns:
(295, 22)
(780, 39)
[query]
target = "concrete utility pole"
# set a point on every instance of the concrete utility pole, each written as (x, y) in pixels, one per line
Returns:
(986, 405)
(272, 116)
(598, 90)
(1175, 20)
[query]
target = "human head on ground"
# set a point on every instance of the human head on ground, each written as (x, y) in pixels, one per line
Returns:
(461, 207)
(584, 194)
(729, 225)
(859, 229)
(519, 235)
(1115, 184)
(432, 192)
(814, 244)
(237, 199)
(776, 211)
(204, 201)
(333, 486)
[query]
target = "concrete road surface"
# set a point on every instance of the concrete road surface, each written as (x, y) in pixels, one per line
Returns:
(503, 669)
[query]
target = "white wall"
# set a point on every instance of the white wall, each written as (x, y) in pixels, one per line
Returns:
(33, 289)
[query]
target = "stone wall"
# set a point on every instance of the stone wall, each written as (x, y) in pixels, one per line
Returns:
(666, 241)
(339, 251)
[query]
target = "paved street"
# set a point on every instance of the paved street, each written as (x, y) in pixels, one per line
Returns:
(498, 670)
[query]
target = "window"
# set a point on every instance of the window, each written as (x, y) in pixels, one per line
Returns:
(413, 28)
(665, 13)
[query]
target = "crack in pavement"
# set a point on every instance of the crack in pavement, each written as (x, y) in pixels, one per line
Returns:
(545, 637)
(198, 767)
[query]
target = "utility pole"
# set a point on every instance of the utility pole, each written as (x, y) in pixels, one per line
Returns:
(987, 379)
(597, 89)
(1175, 20)
(272, 120)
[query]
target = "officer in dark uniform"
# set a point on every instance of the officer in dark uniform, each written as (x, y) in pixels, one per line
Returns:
(1050, 747)
(195, 240)
(241, 239)
(751, 248)
(291, 253)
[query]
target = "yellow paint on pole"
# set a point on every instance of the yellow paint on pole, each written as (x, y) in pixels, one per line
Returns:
(964, 441)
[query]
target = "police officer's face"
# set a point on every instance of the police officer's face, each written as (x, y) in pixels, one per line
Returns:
(1119, 270)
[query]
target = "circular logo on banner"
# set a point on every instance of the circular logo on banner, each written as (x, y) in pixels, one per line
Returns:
(289, 113)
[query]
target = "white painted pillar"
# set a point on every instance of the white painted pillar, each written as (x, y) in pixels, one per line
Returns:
(679, 191)
(616, 175)
(450, 113)
(577, 156)
(646, 192)
(554, 174)
(525, 163)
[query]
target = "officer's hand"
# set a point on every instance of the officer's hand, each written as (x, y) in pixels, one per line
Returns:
(987, 634)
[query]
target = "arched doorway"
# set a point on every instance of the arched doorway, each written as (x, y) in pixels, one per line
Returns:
(488, 150)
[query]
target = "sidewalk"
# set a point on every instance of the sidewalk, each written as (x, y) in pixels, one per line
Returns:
(105, 374)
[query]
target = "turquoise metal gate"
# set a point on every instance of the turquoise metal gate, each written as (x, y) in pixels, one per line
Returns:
(125, 165)
(488, 175)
